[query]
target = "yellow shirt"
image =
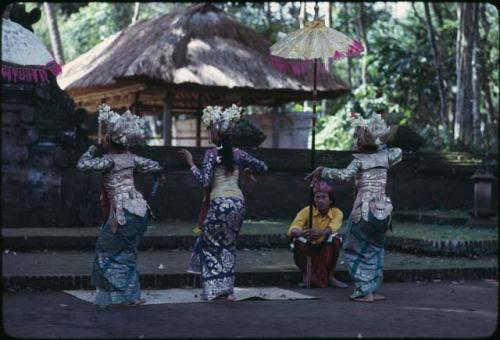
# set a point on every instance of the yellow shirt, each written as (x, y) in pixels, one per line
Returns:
(332, 220)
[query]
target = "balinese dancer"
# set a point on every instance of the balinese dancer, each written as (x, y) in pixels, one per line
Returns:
(215, 250)
(371, 213)
(114, 274)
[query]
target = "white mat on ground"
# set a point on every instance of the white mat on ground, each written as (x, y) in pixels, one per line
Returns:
(178, 295)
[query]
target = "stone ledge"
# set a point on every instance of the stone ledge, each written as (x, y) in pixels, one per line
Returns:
(252, 241)
(252, 279)
(442, 247)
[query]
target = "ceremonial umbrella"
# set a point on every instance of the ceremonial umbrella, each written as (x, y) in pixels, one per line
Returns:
(24, 57)
(297, 52)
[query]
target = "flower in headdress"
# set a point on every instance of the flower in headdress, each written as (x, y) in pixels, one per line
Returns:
(222, 120)
(126, 129)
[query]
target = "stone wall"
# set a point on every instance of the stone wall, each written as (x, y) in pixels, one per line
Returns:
(422, 181)
(35, 120)
(41, 188)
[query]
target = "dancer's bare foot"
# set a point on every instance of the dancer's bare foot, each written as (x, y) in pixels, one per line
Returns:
(229, 298)
(378, 297)
(366, 298)
(337, 283)
(138, 302)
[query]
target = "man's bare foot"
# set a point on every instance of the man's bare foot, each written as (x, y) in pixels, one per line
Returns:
(337, 283)
(378, 297)
(366, 298)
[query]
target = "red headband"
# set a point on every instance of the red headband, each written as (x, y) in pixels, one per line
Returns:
(322, 186)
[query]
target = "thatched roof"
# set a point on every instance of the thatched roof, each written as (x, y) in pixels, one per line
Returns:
(200, 46)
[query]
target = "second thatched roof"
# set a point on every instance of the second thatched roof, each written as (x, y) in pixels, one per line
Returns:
(199, 45)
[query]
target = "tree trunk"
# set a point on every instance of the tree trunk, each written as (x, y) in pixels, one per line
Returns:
(465, 42)
(491, 111)
(362, 34)
(302, 14)
(476, 85)
(267, 7)
(349, 61)
(137, 12)
(443, 110)
(55, 38)
(443, 53)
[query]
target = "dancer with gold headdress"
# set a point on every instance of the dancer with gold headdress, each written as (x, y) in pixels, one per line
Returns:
(214, 252)
(114, 273)
(371, 212)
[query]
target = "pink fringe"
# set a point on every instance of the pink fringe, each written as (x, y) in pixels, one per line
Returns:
(35, 74)
(299, 67)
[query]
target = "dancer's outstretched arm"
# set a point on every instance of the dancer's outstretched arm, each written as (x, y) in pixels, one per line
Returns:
(145, 165)
(88, 161)
(251, 162)
(342, 174)
(206, 174)
(395, 156)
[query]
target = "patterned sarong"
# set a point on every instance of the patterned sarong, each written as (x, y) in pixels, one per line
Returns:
(114, 274)
(364, 255)
(214, 252)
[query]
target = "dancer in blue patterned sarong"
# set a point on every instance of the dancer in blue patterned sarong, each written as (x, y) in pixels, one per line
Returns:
(114, 273)
(214, 253)
(371, 212)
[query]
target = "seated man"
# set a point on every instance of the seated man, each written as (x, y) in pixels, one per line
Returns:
(321, 242)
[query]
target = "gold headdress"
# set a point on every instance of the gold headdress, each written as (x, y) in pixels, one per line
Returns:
(126, 129)
(373, 131)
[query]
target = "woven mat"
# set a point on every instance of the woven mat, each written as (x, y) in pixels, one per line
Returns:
(177, 295)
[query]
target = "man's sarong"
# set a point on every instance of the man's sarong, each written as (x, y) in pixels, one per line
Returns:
(323, 259)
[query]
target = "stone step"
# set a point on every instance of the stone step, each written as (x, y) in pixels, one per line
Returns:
(164, 269)
(32, 239)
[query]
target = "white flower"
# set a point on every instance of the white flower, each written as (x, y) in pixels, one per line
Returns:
(211, 114)
(233, 113)
(107, 115)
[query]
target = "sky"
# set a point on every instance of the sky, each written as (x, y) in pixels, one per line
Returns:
(399, 8)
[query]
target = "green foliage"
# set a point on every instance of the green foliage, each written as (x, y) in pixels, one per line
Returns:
(336, 132)
(400, 66)
(92, 24)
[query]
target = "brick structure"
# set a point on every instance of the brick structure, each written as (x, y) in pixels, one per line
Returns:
(39, 126)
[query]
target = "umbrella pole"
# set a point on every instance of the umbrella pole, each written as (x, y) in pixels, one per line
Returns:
(313, 156)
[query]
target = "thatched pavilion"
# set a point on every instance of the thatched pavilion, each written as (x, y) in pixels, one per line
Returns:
(182, 61)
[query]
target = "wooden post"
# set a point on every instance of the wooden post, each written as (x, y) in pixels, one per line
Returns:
(99, 131)
(198, 128)
(198, 121)
(276, 126)
(167, 120)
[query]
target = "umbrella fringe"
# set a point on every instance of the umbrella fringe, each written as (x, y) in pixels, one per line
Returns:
(299, 67)
(31, 73)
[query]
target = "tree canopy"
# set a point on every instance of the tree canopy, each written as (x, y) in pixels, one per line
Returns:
(434, 69)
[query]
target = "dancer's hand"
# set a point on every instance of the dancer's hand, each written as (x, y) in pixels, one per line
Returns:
(186, 155)
(162, 180)
(315, 175)
(249, 175)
